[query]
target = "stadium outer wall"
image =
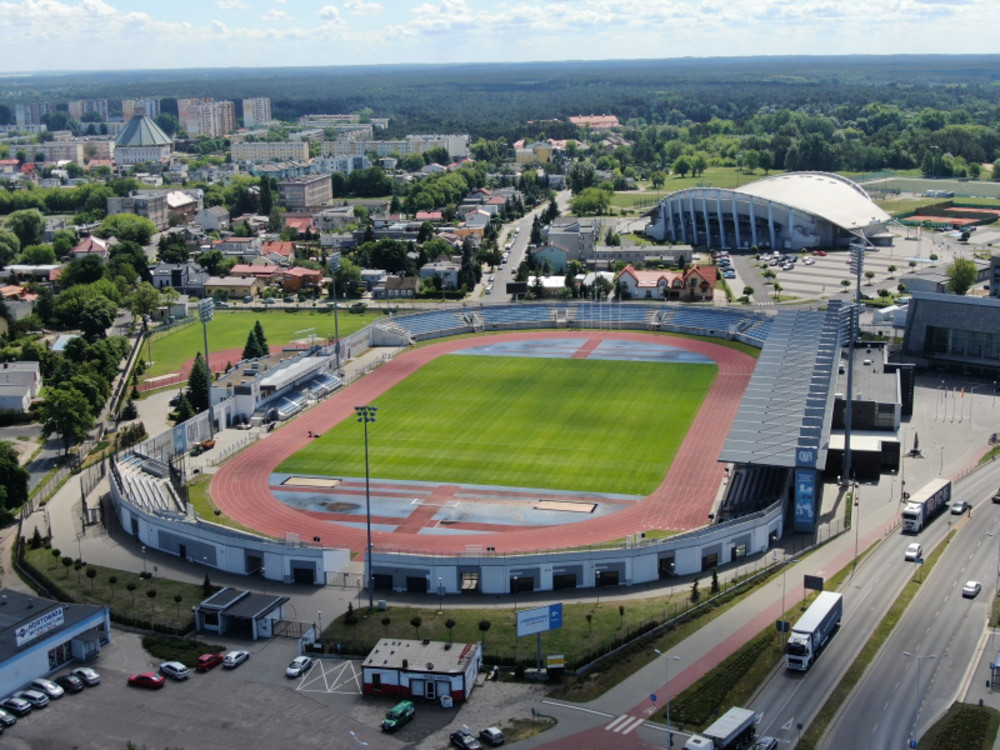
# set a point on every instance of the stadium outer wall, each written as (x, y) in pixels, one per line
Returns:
(636, 561)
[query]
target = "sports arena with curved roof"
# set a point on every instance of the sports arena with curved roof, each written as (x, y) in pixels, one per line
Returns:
(784, 212)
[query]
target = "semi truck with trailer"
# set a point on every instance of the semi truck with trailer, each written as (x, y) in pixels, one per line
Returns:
(811, 633)
(733, 730)
(927, 502)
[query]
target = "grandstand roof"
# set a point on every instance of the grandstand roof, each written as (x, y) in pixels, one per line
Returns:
(787, 403)
(837, 199)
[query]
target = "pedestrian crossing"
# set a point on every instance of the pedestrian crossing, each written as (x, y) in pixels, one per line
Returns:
(624, 724)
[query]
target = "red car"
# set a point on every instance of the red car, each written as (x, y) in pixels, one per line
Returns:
(208, 661)
(820, 253)
(146, 680)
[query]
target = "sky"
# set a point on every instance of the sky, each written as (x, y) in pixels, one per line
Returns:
(52, 35)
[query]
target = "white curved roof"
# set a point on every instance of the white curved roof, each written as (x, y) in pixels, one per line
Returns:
(837, 199)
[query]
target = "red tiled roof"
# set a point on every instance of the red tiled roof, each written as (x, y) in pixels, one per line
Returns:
(299, 223)
(279, 247)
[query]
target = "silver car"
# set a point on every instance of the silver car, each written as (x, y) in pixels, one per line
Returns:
(36, 698)
(175, 669)
(233, 659)
(48, 687)
(89, 676)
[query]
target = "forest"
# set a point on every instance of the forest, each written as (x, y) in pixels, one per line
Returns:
(856, 113)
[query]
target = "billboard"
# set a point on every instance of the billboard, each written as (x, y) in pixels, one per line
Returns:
(805, 500)
(539, 619)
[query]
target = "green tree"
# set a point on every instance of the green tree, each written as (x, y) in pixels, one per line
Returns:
(386, 622)
(198, 384)
(66, 413)
(657, 179)
(416, 621)
(27, 225)
(869, 275)
(961, 276)
(258, 332)
(252, 348)
(151, 593)
(127, 227)
(184, 410)
(450, 624)
(695, 593)
(484, 625)
(266, 196)
(96, 317)
(131, 587)
(144, 300)
(37, 255)
(892, 270)
(591, 201)
(715, 580)
(91, 573)
(681, 166)
(112, 581)
(13, 477)
(10, 247)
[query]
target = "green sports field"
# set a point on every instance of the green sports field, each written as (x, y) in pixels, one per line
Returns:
(583, 425)
(228, 330)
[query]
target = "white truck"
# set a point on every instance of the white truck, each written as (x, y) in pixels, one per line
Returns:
(811, 633)
(733, 730)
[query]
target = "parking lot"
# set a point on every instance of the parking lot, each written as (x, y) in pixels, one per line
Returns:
(252, 706)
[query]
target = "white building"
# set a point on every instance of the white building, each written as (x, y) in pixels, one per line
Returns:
(457, 146)
(38, 636)
(20, 382)
(256, 112)
(258, 151)
(422, 669)
(142, 141)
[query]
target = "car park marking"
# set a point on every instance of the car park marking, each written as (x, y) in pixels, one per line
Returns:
(339, 677)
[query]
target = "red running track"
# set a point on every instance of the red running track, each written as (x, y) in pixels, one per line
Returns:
(682, 501)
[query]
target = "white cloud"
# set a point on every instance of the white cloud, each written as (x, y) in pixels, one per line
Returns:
(329, 13)
(231, 5)
(361, 8)
(275, 15)
(283, 2)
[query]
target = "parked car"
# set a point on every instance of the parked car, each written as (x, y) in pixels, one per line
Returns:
(247, 298)
(914, 552)
(17, 706)
(996, 496)
(208, 661)
(51, 689)
(398, 715)
(70, 683)
(233, 659)
(299, 666)
(959, 507)
(971, 589)
(270, 301)
(465, 741)
(89, 676)
(175, 669)
(288, 298)
(766, 743)
(36, 698)
(491, 736)
(149, 680)
(7, 718)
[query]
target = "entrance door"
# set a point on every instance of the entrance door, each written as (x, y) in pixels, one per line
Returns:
(430, 690)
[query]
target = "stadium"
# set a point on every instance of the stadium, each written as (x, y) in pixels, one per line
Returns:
(748, 467)
(785, 212)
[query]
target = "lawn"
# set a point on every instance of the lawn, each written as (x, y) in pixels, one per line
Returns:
(228, 330)
(589, 425)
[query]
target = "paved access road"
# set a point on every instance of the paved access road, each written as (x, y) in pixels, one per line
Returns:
(939, 623)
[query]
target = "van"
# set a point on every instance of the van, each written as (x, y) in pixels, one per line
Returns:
(398, 715)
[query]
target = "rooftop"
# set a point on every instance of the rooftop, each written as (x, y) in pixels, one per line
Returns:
(420, 656)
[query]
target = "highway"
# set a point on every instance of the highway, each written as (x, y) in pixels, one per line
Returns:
(939, 623)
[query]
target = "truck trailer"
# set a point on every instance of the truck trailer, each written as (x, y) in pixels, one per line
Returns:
(811, 633)
(733, 730)
(930, 500)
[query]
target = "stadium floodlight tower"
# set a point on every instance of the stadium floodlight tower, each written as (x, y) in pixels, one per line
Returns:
(857, 264)
(366, 414)
(206, 311)
(334, 267)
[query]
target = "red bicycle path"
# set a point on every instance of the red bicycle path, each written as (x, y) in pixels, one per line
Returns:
(682, 501)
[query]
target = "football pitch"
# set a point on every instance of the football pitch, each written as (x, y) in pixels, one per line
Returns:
(567, 424)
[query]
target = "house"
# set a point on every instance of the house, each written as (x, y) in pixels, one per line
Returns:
(332, 219)
(695, 284)
(213, 219)
(184, 204)
(433, 168)
(151, 205)
(296, 279)
(397, 287)
(234, 287)
(539, 152)
(266, 271)
(373, 277)
(20, 382)
(279, 251)
(435, 217)
(305, 193)
(240, 612)
(448, 270)
(301, 224)
(548, 286)
(478, 219)
(577, 238)
(421, 669)
(556, 257)
(245, 248)
(91, 246)
(595, 122)
(8, 166)
(186, 278)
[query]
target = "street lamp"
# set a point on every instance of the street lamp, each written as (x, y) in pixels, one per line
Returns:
(598, 588)
(366, 414)
(334, 268)
(916, 717)
(440, 594)
(206, 310)
(144, 561)
(515, 593)
(666, 689)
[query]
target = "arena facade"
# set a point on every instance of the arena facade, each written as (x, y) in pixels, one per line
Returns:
(784, 212)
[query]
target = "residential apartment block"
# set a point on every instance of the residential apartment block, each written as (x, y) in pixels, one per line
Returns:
(256, 112)
(28, 115)
(207, 117)
(153, 206)
(259, 151)
(305, 193)
(133, 107)
(83, 107)
(457, 146)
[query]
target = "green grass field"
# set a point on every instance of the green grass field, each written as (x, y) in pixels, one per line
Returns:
(585, 425)
(228, 330)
